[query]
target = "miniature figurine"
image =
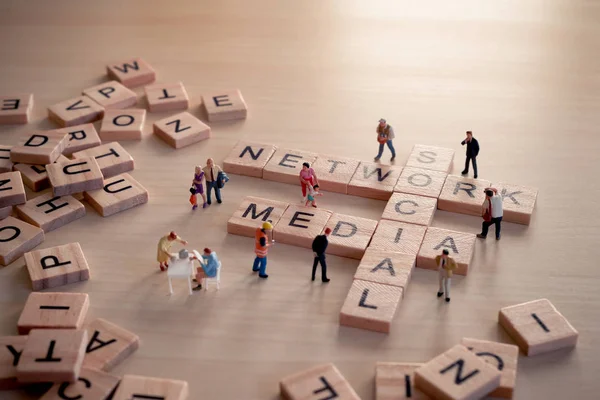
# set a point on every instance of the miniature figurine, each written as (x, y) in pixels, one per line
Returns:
(310, 197)
(208, 268)
(261, 248)
(319, 245)
(445, 267)
(385, 135)
(198, 187)
(164, 246)
(492, 212)
(308, 177)
(211, 172)
(472, 152)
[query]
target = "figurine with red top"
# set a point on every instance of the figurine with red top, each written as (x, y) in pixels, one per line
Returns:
(385, 135)
(308, 177)
(164, 247)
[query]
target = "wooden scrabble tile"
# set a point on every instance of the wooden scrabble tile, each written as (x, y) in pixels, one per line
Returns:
(334, 173)
(460, 245)
(134, 387)
(386, 267)
(374, 181)
(53, 310)
(120, 125)
(112, 158)
(431, 157)
(132, 72)
(224, 105)
(35, 177)
(181, 130)
(286, 164)
(5, 164)
(50, 212)
(500, 355)
(17, 238)
(463, 195)
(537, 327)
(320, 382)
(11, 189)
(119, 193)
(15, 108)
(57, 266)
(399, 237)
(91, 385)
(79, 138)
(167, 97)
(111, 95)
(39, 148)
(457, 374)
(370, 306)
(421, 182)
(350, 235)
(5, 212)
(76, 111)
(411, 208)
(252, 212)
(517, 202)
(11, 348)
(109, 345)
(75, 176)
(299, 225)
(394, 381)
(248, 159)
(52, 355)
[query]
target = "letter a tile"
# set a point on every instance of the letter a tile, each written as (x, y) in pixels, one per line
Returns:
(251, 214)
(461, 246)
(319, 382)
(57, 266)
(386, 267)
(134, 387)
(109, 345)
(299, 225)
(248, 158)
(48, 310)
(395, 381)
(350, 235)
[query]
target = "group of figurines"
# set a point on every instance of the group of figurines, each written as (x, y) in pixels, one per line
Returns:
(215, 180)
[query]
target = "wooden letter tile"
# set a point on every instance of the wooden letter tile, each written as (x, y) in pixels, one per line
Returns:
(299, 225)
(5, 164)
(398, 237)
(386, 267)
(91, 385)
(500, 355)
(181, 130)
(76, 111)
(350, 235)
(39, 148)
(463, 195)
(53, 310)
(35, 177)
(421, 182)
(517, 202)
(285, 165)
(537, 327)
(374, 181)
(131, 73)
(12, 191)
(430, 157)
(335, 173)
(17, 238)
(457, 374)
(252, 212)
(167, 97)
(225, 105)
(320, 382)
(11, 348)
(111, 95)
(5, 212)
(79, 138)
(370, 306)
(394, 381)
(52, 355)
(112, 158)
(109, 345)
(411, 208)
(57, 266)
(460, 245)
(119, 193)
(15, 109)
(248, 159)
(50, 212)
(134, 387)
(120, 125)
(79, 175)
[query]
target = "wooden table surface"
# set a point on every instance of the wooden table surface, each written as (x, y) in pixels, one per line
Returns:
(523, 75)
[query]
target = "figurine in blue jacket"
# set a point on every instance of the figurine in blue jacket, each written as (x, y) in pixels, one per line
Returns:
(208, 267)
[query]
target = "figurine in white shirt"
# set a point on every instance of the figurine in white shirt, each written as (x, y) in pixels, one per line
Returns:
(492, 212)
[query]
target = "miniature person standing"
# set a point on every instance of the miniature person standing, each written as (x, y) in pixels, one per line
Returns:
(308, 177)
(164, 247)
(261, 248)
(208, 267)
(385, 134)
(211, 173)
(198, 186)
(310, 197)
(492, 212)
(445, 267)
(319, 245)
(472, 152)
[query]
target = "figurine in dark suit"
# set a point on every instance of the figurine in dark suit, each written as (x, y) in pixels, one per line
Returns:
(319, 245)
(472, 152)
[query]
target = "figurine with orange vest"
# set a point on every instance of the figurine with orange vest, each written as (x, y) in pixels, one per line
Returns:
(261, 248)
